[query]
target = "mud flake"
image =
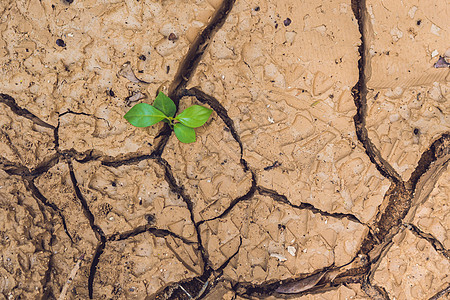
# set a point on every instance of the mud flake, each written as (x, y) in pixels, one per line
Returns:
(418, 274)
(155, 263)
(274, 250)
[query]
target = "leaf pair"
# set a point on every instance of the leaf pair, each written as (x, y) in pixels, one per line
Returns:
(163, 109)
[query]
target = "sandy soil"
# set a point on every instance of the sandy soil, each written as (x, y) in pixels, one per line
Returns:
(321, 174)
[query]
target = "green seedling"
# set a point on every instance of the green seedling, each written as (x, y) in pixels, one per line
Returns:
(163, 109)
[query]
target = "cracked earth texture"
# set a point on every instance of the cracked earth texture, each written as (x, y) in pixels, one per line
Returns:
(322, 173)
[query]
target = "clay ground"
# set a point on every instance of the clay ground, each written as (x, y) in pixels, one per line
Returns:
(321, 174)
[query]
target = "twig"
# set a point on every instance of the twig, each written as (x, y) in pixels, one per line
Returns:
(186, 292)
(72, 275)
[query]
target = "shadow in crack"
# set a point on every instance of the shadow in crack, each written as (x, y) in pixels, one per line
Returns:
(359, 93)
(12, 104)
(221, 112)
(283, 199)
(429, 238)
(442, 293)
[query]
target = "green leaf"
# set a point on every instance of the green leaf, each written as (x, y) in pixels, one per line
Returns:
(194, 116)
(165, 104)
(184, 134)
(143, 115)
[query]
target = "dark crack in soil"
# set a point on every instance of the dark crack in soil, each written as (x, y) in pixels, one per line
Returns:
(53, 207)
(437, 245)
(99, 234)
(441, 294)
(283, 199)
(23, 112)
(180, 191)
(146, 228)
(359, 93)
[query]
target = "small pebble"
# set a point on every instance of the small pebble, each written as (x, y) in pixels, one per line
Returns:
(287, 22)
(150, 218)
(172, 37)
(60, 43)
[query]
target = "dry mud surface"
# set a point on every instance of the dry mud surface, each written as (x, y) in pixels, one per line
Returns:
(322, 173)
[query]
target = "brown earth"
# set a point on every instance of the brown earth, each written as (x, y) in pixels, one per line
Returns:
(322, 173)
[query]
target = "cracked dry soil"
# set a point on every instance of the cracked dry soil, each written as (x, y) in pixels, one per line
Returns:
(322, 174)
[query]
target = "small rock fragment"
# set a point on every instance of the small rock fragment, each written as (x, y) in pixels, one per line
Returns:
(412, 12)
(60, 43)
(135, 97)
(127, 72)
(278, 256)
(441, 63)
(396, 34)
(172, 37)
(435, 30)
(291, 250)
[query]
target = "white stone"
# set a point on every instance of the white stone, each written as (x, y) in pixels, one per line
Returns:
(435, 30)
(396, 34)
(291, 250)
(434, 53)
(412, 12)
(278, 256)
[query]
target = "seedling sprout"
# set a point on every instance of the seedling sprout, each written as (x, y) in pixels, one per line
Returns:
(163, 109)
